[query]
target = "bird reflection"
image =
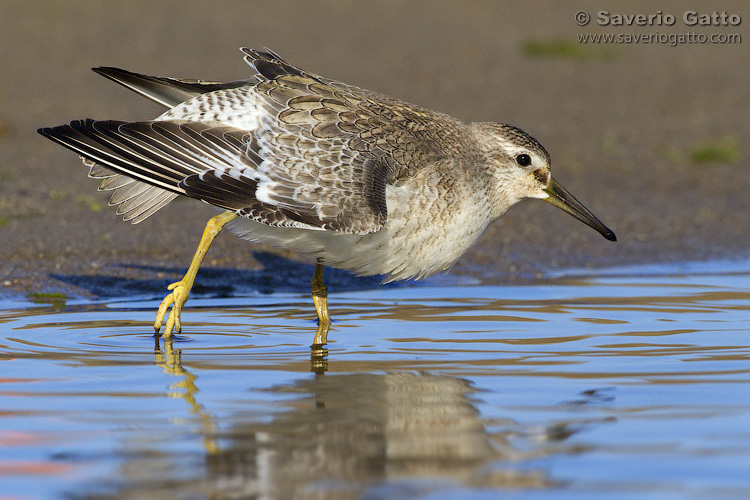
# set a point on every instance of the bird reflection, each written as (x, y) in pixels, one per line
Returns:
(347, 431)
(339, 436)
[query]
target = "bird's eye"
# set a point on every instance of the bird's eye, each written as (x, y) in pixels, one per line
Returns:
(524, 160)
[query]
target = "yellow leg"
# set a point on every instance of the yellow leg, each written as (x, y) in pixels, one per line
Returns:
(320, 297)
(181, 289)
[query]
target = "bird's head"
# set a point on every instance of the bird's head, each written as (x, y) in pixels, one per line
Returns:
(522, 170)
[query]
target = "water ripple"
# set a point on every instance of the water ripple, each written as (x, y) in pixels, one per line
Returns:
(583, 385)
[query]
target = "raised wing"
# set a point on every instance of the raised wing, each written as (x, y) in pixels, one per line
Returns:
(223, 166)
(290, 149)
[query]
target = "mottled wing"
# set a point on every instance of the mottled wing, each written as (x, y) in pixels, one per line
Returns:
(310, 152)
(309, 157)
(404, 136)
(327, 150)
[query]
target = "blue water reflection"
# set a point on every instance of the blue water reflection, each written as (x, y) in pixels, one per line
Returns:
(633, 382)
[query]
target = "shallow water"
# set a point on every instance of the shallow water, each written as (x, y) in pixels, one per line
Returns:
(627, 383)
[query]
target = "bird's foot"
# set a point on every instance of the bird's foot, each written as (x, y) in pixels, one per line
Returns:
(180, 294)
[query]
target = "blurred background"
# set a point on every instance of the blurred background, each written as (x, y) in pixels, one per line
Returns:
(652, 138)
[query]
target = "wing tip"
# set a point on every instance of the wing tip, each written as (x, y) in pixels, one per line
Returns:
(115, 74)
(56, 133)
(65, 130)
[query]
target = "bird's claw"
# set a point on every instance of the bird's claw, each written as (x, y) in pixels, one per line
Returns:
(177, 298)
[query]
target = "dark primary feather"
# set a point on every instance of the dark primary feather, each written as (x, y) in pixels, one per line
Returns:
(166, 91)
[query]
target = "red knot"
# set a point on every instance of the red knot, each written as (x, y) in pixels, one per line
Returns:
(359, 180)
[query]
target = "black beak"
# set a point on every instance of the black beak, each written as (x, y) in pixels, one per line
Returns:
(562, 199)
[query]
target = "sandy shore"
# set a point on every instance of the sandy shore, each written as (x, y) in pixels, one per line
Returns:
(652, 138)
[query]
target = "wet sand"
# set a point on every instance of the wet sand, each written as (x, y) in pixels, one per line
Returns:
(620, 122)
